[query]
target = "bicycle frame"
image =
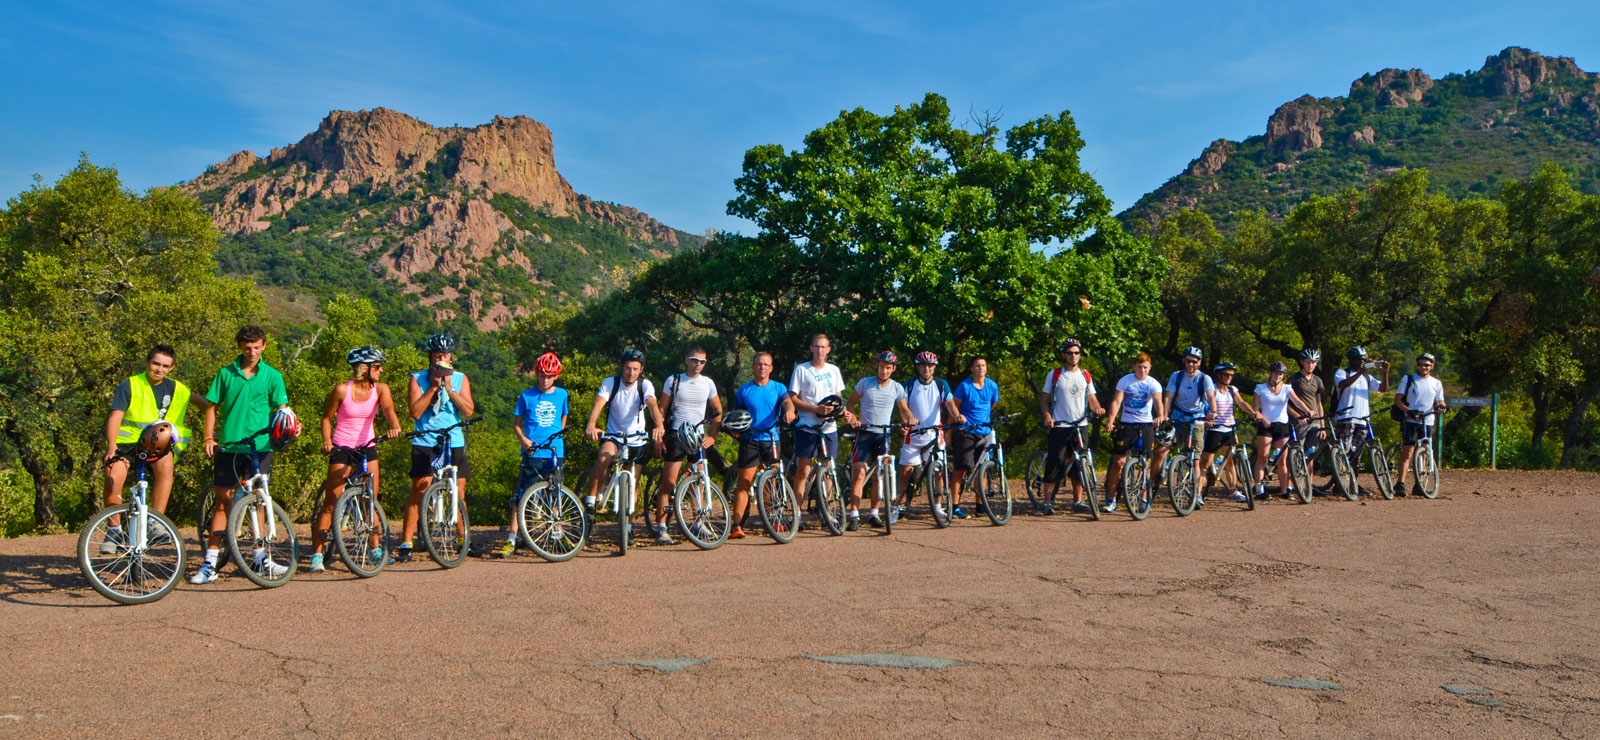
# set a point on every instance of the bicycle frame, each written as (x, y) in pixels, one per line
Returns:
(257, 484)
(139, 510)
(622, 475)
(691, 434)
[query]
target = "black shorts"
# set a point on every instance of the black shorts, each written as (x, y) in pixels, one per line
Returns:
(966, 448)
(868, 446)
(1128, 437)
(1275, 431)
(1217, 439)
(1060, 443)
(755, 454)
(1411, 433)
(232, 468)
(422, 462)
(806, 441)
(530, 471)
(346, 456)
(677, 448)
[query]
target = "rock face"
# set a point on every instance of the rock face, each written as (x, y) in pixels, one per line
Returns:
(441, 180)
(1395, 88)
(1295, 126)
(1212, 159)
(1516, 71)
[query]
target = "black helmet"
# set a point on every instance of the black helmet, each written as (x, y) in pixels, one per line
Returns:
(1311, 353)
(1277, 366)
(1221, 366)
(736, 420)
(440, 343)
(366, 355)
(831, 407)
(632, 354)
(1193, 351)
(1356, 353)
(1427, 356)
(1166, 433)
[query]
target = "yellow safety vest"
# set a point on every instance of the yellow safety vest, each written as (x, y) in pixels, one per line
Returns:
(143, 410)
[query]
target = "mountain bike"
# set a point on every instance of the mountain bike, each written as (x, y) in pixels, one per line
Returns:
(442, 515)
(550, 517)
(1137, 489)
(144, 561)
(1299, 468)
(1346, 455)
(697, 504)
(262, 527)
(775, 499)
(932, 475)
(994, 493)
(1377, 459)
(1243, 472)
(884, 474)
(822, 485)
(621, 490)
(361, 527)
(1424, 466)
(1082, 456)
(1181, 472)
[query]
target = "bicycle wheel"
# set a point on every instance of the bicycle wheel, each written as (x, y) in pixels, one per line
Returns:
(780, 510)
(1344, 475)
(624, 513)
(1091, 485)
(1181, 486)
(249, 532)
(1426, 469)
(1300, 473)
(1380, 470)
(357, 520)
(995, 493)
(1319, 461)
(702, 512)
(936, 485)
(1136, 491)
(124, 576)
(1033, 481)
(202, 522)
(830, 501)
(446, 543)
(551, 522)
(1243, 474)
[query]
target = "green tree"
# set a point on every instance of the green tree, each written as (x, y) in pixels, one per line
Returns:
(91, 275)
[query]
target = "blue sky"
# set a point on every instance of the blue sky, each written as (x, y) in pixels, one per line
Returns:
(653, 104)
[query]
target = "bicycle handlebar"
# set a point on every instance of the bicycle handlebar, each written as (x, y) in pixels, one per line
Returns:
(464, 423)
(548, 444)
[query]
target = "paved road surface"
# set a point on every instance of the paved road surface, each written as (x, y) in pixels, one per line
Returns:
(1059, 627)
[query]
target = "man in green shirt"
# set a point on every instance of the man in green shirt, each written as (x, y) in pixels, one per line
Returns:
(244, 394)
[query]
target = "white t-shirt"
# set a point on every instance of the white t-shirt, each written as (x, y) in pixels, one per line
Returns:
(1422, 394)
(927, 404)
(1069, 396)
(689, 397)
(1138, 398)
(625, 415)
(1355, 402)
(1274, 407)
(811, 385)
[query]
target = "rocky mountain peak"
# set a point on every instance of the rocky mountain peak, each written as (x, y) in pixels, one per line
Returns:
(1395, 88)
(1516, 70)
(1294, 126)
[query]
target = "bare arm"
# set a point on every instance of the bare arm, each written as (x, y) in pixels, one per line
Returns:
(330, 407)
(211, 429)
(463, 398)
(905, 411)
(420, 399)
(716, 421)
(386, 402)
(113, 425)
(590, 430)
(1111, 414)
(660, 431)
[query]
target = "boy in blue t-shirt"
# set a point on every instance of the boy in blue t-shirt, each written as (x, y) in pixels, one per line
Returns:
(975, 400)
(540, 413)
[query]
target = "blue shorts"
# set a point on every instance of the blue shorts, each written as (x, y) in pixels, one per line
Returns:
(868, 446)
(806, 440)
(529, 472)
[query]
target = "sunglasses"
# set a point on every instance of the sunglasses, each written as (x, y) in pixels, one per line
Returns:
(1072, 352)
(696, 360)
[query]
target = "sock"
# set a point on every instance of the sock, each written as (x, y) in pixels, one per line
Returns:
(114, 528)
(405, 545)
(874, 511)
(588, 501)
(211, 557)
(855, 513)
(511, 537)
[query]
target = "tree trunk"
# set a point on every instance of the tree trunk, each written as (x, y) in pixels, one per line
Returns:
(44, 496)
(1575, 425)
(1541, 414)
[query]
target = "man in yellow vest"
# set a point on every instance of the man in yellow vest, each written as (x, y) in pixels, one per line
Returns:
(138, 402)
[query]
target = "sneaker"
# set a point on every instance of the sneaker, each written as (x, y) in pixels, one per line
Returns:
(853, 524)
(662, 538)
(206, 574)
(114, 541)
(961, 513)
(874, 521)
(905, 513)
(1110, 507)
(1047, 510)
(736, 534)
(402, 555)
(270, 569)
(1079, 507)
(1199, 501)
(316, 563)
(473, 550)
(1238, 497)
(375, 555)
(507, 549)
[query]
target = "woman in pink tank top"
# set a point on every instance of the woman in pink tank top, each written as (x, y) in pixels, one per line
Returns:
(347, 436)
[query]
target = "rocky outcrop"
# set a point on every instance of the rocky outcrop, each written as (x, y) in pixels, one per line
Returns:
(1365, 136)
(1516, 71)
(1212, 159)
(1296, 126)
(1395, 88)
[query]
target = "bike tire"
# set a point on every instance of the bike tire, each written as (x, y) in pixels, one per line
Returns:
(552, 524)
(830, 501)
(1300, 474)
(1344, 473)
(446, 546)
(707, 529)
(1319, 462)
(1091, 486)
(1181, 487)
(1381, 474)
(1425, 468)
(282, 549)
(779, 509)
(994, 493)
(936, 485)
(354, 529)
(1033, 481)
(624, 514)
(202, 522)
(122, 576)
(1136, 492)
(1244, 475)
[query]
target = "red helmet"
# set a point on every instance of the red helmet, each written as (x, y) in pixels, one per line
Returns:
(548, 364)
(889, 357)
(927, 358)
(284, 428)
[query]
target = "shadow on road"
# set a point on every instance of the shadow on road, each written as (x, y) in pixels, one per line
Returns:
(45, 580)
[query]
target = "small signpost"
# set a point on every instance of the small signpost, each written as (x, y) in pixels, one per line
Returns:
(1492, 403)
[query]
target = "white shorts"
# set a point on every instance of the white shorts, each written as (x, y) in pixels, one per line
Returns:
(911, 452)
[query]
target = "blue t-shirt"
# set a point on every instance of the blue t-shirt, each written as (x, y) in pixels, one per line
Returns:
(1189, 395)
(977, 404)
(763, 402)
(440, 414)
(541, 418)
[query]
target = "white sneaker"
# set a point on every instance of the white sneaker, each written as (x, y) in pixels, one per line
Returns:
(206, 574)
(270, 569)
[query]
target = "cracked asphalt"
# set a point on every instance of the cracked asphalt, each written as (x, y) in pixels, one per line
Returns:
(1065, 627)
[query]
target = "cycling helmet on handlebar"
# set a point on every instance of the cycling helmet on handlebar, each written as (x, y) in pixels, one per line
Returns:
(1166, 433)
(737, 420)
(548, 364)
(283, 428)
(440, 343)
(831, 407)
(157, 440)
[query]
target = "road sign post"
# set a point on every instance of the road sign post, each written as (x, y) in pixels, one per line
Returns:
(1492, 403)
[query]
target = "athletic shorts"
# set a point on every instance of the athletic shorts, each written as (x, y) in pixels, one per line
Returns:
(1275, 431)
(806, 441)
(1351, 433)
(755, 454)
(232, 468)
(1128, 437)
(966, 448)
(677, 448)
(1060, 444)
(344, 456)
(1217, 439)
(530, 471)
(1182, 430)
(422, 462)
(868, 446)
(1411, 432)
(912, 453)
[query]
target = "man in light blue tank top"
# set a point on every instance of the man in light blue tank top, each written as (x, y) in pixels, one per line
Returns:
(440, 397)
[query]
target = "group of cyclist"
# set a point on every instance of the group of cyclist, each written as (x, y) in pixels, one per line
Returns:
(247, 417)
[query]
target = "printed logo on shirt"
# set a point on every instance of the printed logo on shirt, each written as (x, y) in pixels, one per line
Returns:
(545, 413)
